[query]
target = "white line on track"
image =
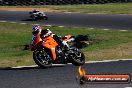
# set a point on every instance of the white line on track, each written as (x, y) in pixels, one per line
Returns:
(54, 65)
(23, 23)
(25, 66)
(60, 26)
(108, 61)
(88, 62)
(123, 30)
(3, 21)
(106, 29)
(13, 22)
(127, 87)
(91, 28)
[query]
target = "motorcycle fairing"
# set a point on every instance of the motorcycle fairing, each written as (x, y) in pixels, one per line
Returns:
(36, 41)
(51, 44)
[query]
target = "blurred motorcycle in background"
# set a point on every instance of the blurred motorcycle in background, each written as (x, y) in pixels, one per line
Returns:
(37, 15)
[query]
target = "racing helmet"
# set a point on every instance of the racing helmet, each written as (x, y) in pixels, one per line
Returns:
(36, 29)
(45, 33)
(35, 11)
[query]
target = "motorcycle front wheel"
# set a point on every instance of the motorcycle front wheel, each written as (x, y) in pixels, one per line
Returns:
(42, 59)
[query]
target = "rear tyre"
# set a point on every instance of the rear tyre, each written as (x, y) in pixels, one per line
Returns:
(42, 59)
(45, 18)
(77, 58)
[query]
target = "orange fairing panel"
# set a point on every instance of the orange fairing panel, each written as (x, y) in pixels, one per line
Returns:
(53, 53)
(37, 40)
(50, 44)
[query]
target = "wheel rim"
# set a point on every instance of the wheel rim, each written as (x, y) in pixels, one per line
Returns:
(78, 57)
(43, 58)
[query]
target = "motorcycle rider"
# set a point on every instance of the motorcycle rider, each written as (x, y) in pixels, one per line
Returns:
(38, 12)
(46, 32)
(35, 11)
(35, 31)
(58, 39)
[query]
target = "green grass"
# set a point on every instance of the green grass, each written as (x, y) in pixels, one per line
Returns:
(13, 38)
(116, 8)
(109, 44)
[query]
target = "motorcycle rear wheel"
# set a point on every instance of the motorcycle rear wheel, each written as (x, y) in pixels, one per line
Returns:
(77, 58)
(42, 59)
(45, 18)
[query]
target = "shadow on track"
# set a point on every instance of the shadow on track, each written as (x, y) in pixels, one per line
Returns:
(29, 20)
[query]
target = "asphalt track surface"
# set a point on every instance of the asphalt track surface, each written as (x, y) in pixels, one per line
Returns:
(62, 76)
(65, 76)
(73, 19)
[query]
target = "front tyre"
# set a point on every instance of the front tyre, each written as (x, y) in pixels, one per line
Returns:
(77, 58)
(42, 59)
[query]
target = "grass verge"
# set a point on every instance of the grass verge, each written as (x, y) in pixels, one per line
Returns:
(115, 8)
(110, 44)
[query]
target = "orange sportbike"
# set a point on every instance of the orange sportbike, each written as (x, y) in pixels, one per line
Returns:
(47, 51)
